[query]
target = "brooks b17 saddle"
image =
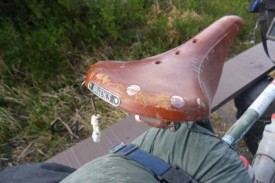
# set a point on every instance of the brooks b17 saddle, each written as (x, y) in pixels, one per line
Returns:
(174, 86)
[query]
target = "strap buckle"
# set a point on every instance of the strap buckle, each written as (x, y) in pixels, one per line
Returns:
(123, 149)
(117, 147)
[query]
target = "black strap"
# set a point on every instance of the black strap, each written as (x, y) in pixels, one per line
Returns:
(263, 16)
(264, 43)
(162, 170)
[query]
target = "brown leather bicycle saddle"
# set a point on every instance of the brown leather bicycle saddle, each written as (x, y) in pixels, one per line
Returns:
(178, 85)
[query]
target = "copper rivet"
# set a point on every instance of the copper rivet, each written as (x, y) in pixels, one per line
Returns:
(177, 101)
(133, 90)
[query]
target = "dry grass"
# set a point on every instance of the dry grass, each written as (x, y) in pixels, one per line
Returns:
(26, 115)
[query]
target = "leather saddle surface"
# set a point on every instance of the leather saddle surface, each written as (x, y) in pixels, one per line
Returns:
(177, 85)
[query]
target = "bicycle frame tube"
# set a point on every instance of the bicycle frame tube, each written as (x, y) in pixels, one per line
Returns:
(251, 115)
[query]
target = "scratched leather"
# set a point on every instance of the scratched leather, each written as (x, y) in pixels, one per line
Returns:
(191, 72)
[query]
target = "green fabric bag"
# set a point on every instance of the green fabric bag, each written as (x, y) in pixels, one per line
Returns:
(191, 148)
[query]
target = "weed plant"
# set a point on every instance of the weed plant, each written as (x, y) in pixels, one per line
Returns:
(47, 46)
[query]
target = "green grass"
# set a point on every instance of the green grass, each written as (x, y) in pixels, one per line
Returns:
(46, 50)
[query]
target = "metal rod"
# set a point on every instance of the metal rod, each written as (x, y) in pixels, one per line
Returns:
(251, 115)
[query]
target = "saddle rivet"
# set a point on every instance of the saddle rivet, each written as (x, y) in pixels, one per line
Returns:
(177, 101)
(133, 90)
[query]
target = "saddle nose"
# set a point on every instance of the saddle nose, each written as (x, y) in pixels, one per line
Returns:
(177, 85)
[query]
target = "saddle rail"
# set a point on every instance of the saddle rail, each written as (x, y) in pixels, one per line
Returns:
(178, 85)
